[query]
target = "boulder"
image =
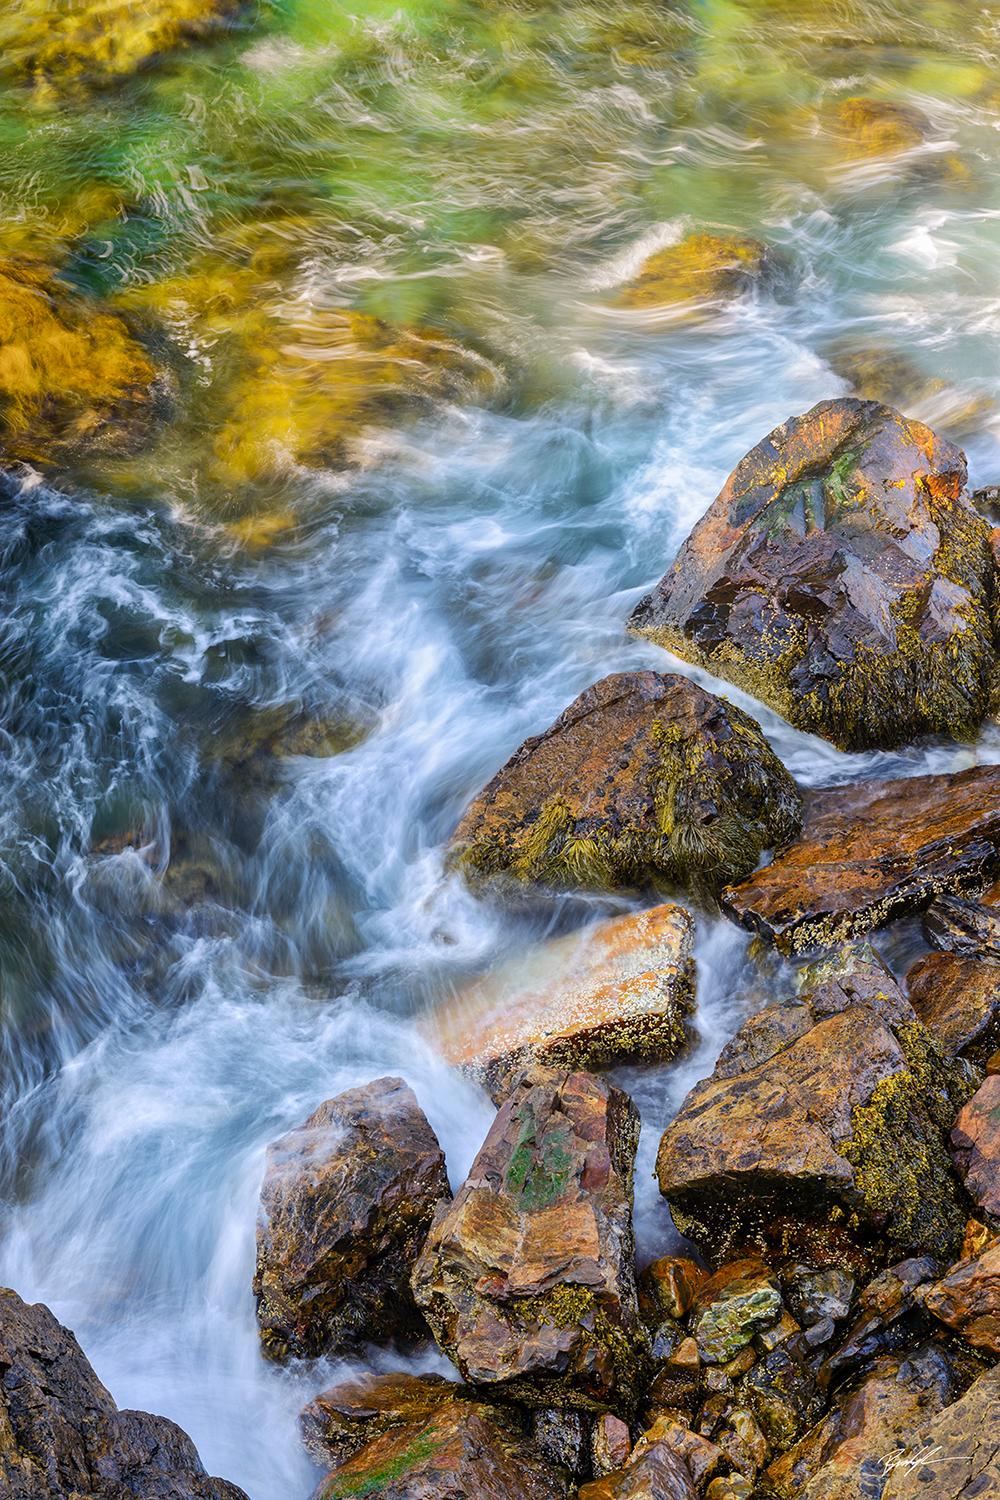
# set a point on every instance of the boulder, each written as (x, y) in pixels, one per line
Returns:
(345, 1205)
(837, 1140)
(843, 577)
(61, 1434)
(462, 1450)
(617, 992)
(339, 1422)
(703, 268)
(643, 778)
(957, 997)
(975, 1143)
(955, 1455)
(527, 1279)
(872, 852)
(967, 1299)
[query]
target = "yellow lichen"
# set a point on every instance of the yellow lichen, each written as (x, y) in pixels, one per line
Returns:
(702, 267)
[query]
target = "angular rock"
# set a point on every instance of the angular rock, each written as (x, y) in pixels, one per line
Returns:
(955, 924)
(957, 997)
(960, 1449)
(643, 778)
(617, 992)
(656, 1473)
(345, 1206)
(728, 1316)
(890, 1317)
(667, 1288)
(873, 852)
(563, 1438)
(527, 1279)
(463, 1450)
(610, 1444)
(967, 1299)
(836, 1140)
(843, 577)
(339, 1422)
(975, 1143)
(61, 1434)
(701, 1458)
(816, 1295)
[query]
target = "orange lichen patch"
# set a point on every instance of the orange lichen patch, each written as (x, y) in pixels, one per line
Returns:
(703, 267)
(70, 370)
(875, 127)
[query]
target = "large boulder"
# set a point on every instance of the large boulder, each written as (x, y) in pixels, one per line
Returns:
(967, 1299)
(955, 1455)
(62, 1436)
(643, 778)
(617, 992)
(872, 852)
(339, 1422)
(345, 1205)
(527, 1278)
(843, 577)
(836, 1135)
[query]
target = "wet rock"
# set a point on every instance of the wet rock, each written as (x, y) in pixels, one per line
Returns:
(563, 1438)
(729, 1315)
(644, 778)
(843, 577)
(339, 1422)
(961, 1448)
(871, 853)
(346, 1203)
(701, 1458)
(667, 1288)
(461, 1451)
(527, 1279)
(955, 924)
(675, 1387)
(610, 1445)
(967, 1299)
(957, 997)
(837, 1139)
(616, 992)
(975, 1142)
(655, 1474)
(703, 267)
(63, 1435)
(815, 1296)
(730, 1487)
(875, 127)
(743, 1443)
(889, 1317)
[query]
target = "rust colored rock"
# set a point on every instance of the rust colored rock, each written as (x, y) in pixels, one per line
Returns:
(345, 1206)
(871, 853)
(61, 1435)
(957, 997)
(463, 1450)
(963, 1443)
(610, 1444)
(527, 1279)
(843, 577)
(975, 1143)
(339, 1422)
(667, 1288)
(701, 1458)
(618, 991)
(967, 1299)
(656, 1473)
(643, 778)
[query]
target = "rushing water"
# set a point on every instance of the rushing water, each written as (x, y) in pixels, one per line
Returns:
(202, 938)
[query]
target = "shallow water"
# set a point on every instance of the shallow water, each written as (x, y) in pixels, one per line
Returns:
(203, 939)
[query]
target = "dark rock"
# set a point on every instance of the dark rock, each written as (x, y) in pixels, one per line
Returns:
(955, 924)
(644, 778)
(527, 1279)
(890, 1317)
(872, 852)
(961, 1446)
(61, 1434)
(817, 1296)
(563, 1438)
(843, 577)
(975, 1142)
(339, 1422)
(957, 997)
(345, 1206)
(967, 1299)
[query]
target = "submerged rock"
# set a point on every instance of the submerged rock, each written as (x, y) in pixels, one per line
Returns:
(872, 852)
(957, 997)
(703, 267)
(643, 778)
(63, 1435)
(345, 1206)
(527, 1279)
(843, 577)
(975, 1142)
(616, 992)
(874, 127)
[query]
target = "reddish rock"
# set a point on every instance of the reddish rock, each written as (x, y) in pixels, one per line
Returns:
(701, 1458)
(843, 577)
(975, 1142)
(667, 1288)
(957, 997)
(967, 1299)
(610, 1444)
(345, 1207)
(959, 1449)
(872, 852)
(61, 1435)
(527, 1279)
(643, 778)
(655, 1474)
(339, 1422)
(618, 991)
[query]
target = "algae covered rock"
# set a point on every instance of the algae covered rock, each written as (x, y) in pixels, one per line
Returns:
(527, 1279)
(843, 577)
(339, 1422)
(874, 127)
(729, 1315)
(643, 778)
(703, 267)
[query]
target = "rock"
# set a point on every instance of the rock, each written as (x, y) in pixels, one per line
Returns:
(743, 1443)
(732, 1487)
(873, 852)
(463, 1450)
(618, 991)
(527, 1279)
(667, 1288)
(815, 1296)
(701, 1458)
(956, 925)
(339, 1422)
(967, 1299)
(729, 1315)
(975, 1141)
(837, 1140)
(675, 1387)
(703, 267)
(655, 1474)
(63, 1435)
(890, 1317)
(610, 1445)
(703, 797)
(960, 1448)
(875, 127)
(345, 1205)
(843, 577)
(957, 997)
(563, 1438)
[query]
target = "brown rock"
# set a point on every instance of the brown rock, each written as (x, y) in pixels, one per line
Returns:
(743, 1443)
(872, 852)
(345, 1206)
(975, 1141)
(890, 1317)
(527, 1279)
(875, 127)
(957, 997)
(610, 1444)
(61, 1434)
(967, 1299)
(339, 1422)
(656, 1474)
(667, 1288)
(954, 924)
(701, 1458)
(618, 991)
(643, 778)
(463, 1450)
(960, 1449)
(703, 267)
(843, 577)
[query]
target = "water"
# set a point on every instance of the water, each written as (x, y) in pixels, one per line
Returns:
(202, 938)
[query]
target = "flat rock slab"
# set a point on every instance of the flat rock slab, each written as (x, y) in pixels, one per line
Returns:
(617, 992)
(872, 852)
(975, 1144)
(957, 1455)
